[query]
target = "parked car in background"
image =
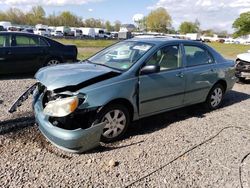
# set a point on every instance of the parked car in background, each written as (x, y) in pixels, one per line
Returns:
(77, 104)
(2, 28)
(57, 33)
(28, 30)
(26, 53)
(42, 32)
(243, 66)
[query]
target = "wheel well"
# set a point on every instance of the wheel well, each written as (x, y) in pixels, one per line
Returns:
(223, 83)
(124, 102)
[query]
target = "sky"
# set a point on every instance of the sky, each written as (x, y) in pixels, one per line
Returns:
(212, 14)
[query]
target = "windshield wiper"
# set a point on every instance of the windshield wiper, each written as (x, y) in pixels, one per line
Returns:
(103, 65)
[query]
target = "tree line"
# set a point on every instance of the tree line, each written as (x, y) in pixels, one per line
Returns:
(37, 15)
(157, 20)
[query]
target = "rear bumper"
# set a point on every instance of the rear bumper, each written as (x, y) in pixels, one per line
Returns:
(76, 141)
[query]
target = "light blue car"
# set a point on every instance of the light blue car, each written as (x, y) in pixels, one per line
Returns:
(78, 105)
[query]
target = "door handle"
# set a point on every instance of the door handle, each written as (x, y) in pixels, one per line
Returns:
(8, 53)
(212, 69)
(180, 74)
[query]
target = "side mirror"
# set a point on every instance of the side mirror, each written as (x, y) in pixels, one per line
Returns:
(149, 69)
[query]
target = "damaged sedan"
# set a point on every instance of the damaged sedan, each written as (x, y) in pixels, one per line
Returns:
(243, 66)
(78, 105)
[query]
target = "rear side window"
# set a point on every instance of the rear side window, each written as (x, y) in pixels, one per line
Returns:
(26, 41)
(43, 42)
(197, 56)
(4, 40)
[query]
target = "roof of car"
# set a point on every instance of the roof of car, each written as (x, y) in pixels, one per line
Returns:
(159, 40)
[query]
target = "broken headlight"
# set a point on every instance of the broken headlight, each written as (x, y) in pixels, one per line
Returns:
(61, 107)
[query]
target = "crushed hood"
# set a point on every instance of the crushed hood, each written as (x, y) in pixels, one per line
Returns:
(73, 77)
(244, 57)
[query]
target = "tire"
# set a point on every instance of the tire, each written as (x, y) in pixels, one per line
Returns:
(52, 61)
(215, 97)
(114, 129)
(241, 79)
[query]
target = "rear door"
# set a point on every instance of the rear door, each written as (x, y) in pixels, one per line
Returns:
(200, 73)
(6, 60)
(27, 52)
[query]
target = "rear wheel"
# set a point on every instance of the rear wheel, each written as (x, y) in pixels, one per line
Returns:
(117, 119)
(53, 61)
(215, 96)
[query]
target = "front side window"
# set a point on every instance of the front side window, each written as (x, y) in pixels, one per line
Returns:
(4, 40)
(167, 58)
(121, 55)
(26, 41)
(197, 56)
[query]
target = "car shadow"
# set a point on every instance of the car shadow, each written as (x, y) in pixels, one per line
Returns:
(17, 124)
(244, 82)
(16, 77)
(160, 121)
(143, 126)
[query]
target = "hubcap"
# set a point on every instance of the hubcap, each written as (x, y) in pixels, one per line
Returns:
(53, 62)
(216, 97)
(115, 123)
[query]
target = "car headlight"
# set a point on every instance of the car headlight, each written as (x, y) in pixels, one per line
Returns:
(61, 107)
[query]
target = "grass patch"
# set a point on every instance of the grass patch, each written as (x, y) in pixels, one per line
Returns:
(229, 51)
(87, 48)
(87, 43)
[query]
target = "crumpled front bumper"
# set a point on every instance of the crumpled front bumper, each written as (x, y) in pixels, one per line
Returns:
(77, 141)
(242, 69)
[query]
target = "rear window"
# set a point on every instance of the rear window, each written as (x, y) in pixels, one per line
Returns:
(197, 56)
(26, 41)
(4, 40)
(43, 42)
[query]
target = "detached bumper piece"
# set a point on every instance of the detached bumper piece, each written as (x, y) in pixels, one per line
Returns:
(242, 69)
(76, 141)
(22, 98)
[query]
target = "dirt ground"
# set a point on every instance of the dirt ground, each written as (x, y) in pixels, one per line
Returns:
(189, 147)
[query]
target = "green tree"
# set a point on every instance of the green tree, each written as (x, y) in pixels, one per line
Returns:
(66, 18)
(38, 14)
(159, 20)
(208, 33)
(108, 26)
(91, 22)
(242, 24)
(189, 27)
(117, 25)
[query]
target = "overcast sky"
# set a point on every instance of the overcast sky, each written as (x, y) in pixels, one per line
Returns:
(217, 14)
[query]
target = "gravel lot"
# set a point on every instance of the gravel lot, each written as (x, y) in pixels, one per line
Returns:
(151, 155)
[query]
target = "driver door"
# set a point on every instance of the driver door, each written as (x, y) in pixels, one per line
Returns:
(163, 90)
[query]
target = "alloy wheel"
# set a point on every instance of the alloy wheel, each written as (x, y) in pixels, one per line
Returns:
(216, 97)
(115, 123)
(53, 62)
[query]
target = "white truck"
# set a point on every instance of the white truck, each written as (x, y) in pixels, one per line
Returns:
(42, 30)
(65, 30)
(88, 32)
(5, 24)
(193, 36)
(99, 32)
(76, 32)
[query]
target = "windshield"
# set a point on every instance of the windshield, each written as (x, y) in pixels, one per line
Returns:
(121, 55)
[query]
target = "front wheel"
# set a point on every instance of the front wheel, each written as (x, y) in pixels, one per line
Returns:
(215, 96)
(117, 119)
